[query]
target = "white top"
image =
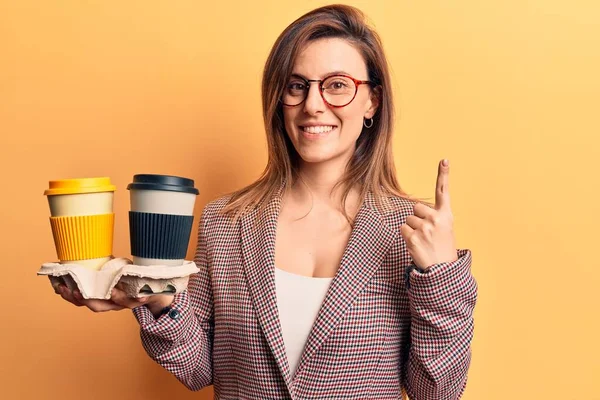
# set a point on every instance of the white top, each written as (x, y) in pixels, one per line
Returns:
(299, 299)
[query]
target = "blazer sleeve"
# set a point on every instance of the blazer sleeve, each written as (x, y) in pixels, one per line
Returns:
(441, 301)
(181, 341)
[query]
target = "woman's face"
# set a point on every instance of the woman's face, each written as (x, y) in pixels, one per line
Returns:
(319, 132)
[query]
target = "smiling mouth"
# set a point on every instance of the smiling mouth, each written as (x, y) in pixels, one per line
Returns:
(317, 129)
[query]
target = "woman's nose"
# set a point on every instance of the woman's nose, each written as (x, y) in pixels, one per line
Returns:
(314, 103)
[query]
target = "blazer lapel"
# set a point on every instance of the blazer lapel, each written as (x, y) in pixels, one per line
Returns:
(369, 241)
(258, 249)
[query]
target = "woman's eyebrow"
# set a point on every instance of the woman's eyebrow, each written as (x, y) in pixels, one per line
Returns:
(325, 75)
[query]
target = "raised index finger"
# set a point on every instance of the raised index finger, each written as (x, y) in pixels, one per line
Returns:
(442, 187)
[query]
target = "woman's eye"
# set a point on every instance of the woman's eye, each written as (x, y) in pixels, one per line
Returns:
(337, 85)
(296, 86)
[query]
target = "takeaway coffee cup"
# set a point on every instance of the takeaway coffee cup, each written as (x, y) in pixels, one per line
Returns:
(82, 220)
(161, 218)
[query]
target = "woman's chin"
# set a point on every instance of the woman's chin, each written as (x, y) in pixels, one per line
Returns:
(316, 157)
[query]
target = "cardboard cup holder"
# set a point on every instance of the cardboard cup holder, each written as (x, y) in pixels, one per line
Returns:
(135, 280)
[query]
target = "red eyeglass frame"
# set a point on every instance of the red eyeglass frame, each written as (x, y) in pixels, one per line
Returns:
(357, 83)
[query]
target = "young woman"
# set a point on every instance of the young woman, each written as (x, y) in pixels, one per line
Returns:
(323, 279)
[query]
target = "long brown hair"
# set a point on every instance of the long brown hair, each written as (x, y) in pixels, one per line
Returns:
(372, 165)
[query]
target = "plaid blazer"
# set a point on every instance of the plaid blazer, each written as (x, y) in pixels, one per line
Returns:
(384, 328)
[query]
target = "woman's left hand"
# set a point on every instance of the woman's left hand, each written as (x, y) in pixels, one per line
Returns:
(429, 233)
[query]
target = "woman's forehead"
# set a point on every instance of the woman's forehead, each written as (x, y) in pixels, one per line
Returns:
(321, 57)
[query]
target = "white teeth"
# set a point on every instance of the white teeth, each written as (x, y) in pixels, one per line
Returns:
(317, 129)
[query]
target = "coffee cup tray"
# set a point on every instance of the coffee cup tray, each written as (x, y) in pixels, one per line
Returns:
(135, 280)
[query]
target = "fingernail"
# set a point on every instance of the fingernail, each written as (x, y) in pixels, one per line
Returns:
(445, 162)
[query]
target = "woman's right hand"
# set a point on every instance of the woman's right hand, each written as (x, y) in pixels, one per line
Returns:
(118, 300)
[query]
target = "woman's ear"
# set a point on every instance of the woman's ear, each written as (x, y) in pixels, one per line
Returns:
(375, 101)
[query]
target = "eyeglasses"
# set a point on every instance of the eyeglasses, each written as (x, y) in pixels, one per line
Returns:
(336, 90)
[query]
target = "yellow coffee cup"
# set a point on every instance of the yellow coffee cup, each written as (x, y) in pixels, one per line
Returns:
(82, 220)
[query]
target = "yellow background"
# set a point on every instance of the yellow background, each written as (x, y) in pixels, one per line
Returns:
(509, 91)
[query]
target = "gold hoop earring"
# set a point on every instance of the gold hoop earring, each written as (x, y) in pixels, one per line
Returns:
(365, 123)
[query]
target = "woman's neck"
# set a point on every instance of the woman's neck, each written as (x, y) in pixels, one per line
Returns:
(317, 181)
